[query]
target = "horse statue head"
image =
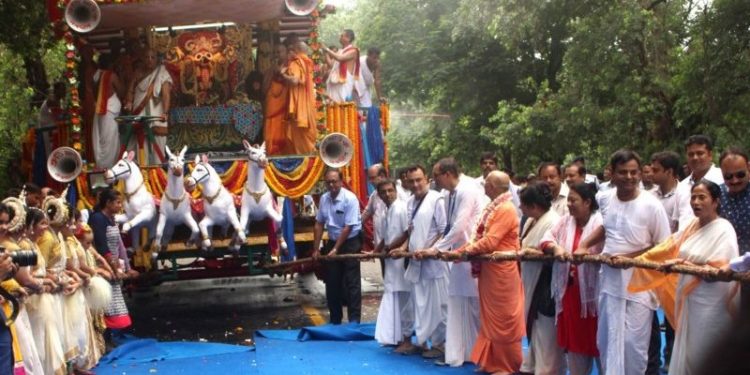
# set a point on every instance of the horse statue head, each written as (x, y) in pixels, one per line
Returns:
(256, 153)
(123, 169)
(202, 173)
(176, 163)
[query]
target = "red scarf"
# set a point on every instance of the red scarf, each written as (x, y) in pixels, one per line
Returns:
(342, 67)
(104, 92)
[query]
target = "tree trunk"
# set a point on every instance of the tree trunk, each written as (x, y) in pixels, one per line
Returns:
(36, 76)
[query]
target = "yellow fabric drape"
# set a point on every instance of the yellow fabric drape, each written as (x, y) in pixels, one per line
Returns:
(663, 284)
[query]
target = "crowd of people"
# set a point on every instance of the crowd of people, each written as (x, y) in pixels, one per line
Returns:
(576, 317)
(66, 275)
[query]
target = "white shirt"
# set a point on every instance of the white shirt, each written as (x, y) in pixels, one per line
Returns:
(395, 223)
(376, 208)
(714, 175)
(602, 198)
(684, 191)
(674, 206)
(463, 207)
(591, 179)
(630, 227)
(516, 198)
(427, 221)
(403, 194)
(560, 202)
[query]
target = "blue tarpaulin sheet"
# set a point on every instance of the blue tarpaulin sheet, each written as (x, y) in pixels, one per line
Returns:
(320, 350)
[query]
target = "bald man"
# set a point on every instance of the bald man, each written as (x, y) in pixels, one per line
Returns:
(375, 208)
(498, 345)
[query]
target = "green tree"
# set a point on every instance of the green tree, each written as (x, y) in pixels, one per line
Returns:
(431, 67)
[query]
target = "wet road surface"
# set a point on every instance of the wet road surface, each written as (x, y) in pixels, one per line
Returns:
(229, 310)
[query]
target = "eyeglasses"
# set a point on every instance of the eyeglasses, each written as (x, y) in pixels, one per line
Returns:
(740, 175)
(332, 182)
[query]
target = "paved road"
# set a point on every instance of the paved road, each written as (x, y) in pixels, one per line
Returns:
(231, 309)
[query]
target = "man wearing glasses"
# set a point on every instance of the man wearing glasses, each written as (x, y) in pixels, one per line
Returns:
(735, 207)
(339, 214)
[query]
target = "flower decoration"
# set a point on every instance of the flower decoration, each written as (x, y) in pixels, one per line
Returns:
(74, 101)
(317, 57)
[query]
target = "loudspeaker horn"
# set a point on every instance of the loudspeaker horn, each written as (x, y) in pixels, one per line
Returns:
(336, 150)
(82, 15)
(64, 164)
(301, 7)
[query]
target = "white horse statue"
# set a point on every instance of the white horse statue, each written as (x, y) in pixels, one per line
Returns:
(175, 202)
(218, 203)
(140, 208)
(257, 199)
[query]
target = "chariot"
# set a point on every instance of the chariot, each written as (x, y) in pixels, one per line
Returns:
(212, 50)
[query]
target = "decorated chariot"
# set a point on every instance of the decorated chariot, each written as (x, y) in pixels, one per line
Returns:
(211, 203)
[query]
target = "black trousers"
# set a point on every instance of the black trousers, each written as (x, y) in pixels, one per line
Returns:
(6, 347)
(654, 348)
(343, 282)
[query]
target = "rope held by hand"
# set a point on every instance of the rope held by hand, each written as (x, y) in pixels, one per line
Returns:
(527, 255)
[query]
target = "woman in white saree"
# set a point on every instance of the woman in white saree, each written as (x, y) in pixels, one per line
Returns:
(703, 310)
(544, 356)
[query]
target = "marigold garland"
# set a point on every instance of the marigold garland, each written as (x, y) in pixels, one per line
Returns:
(317, 58)
(74, 103)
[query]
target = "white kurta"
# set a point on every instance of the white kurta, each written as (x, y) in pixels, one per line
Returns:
(396, 313)
(625, 318)
(365, 83)
(154, 107)
(430, 285)
(341, 89)
(376, 208)
(676, 206)
(705, 312)
(560, 202)
(463, 207)
(403, 194)
(544, 356)
(105, 134)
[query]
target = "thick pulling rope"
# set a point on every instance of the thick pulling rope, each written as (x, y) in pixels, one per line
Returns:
(528, 255)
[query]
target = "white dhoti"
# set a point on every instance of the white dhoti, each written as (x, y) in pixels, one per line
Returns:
(623, 335)
(544, 357)
(105, 134)
(462, 328)
(340, 89)
(395, 318)
(431, 309)
(153, 107)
